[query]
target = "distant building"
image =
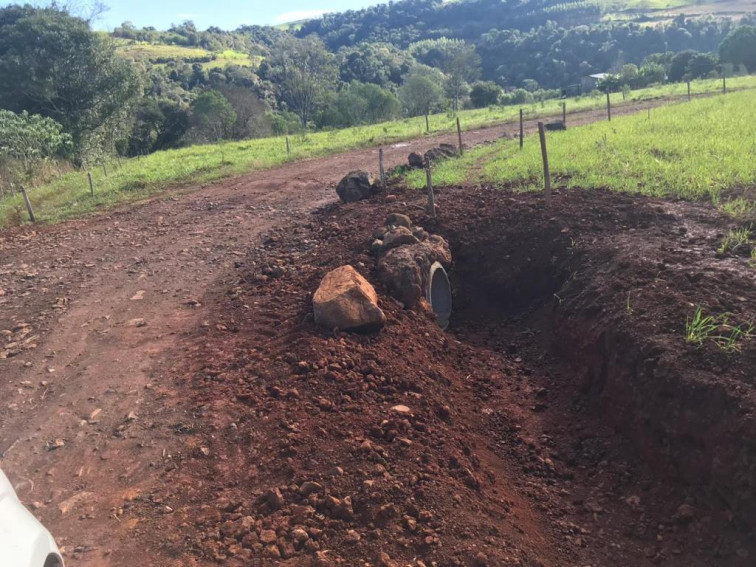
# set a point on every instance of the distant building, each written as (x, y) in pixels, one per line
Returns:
(590, 83)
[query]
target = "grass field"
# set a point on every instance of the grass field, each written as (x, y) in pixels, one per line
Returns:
(697, 150)
(138, 179)
(160, 52)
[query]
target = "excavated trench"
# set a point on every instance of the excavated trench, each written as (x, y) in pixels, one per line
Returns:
(577, 288)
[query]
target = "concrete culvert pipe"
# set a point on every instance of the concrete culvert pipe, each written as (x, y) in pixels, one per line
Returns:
(439, 294)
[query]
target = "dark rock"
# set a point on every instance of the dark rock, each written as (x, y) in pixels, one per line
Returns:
(555, 126)
(357, 185)
(416, 161)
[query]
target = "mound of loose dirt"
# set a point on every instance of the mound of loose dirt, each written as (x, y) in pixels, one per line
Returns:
(493, 444)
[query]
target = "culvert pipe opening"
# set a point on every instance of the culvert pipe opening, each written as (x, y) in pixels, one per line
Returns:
(439, 294)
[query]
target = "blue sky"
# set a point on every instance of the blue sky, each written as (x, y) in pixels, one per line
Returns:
(226, 14)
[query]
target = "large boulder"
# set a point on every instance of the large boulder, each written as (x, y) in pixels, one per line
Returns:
(405, 270)
(355, 186)
(346, 301)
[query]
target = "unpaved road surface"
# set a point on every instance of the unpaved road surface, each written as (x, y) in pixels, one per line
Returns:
(92, 314)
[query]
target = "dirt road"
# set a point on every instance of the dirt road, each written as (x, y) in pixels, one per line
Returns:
(92, 315)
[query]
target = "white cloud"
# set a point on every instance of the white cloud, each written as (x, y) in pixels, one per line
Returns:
(299, 15)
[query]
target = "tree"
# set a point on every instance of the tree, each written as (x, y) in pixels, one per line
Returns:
(651, 73)
(462, 68)
(629, 74)
(422, 91)
(51, 64)
(485, 94)
(361, 103)
(739, 47)
(251, 114)
(212, 117)
(31, 139)
(303, 71)
(700, 66)
(159, 124)
(678, 66)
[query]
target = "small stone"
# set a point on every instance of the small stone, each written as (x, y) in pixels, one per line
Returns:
(268, 536)
(336, 471)
(136, 323)
(310, 487)
(273, 498)
(398, 219)
(352, 537)
(685, 514)
(401, 410)
(481, 560)
(391, 198)
(386, 561)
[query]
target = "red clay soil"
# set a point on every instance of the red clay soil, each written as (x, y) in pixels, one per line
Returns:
(163, 382)
(508, 454)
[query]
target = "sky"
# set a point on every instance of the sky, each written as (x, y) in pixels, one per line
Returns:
(226, 14)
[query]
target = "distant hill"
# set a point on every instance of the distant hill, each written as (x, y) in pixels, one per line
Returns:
(404, 22)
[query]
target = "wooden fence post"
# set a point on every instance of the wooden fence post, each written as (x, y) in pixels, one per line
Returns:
(724, 84)
(288, 147)
(564, 113)
(28, 205)
(105, 169)
(545, 156)
(608, 107)
(382, 170)
(431, 198)
(649, 113)
(427, 123)
(688, 91)
(522, 133)
(91, 185)
(459, 136)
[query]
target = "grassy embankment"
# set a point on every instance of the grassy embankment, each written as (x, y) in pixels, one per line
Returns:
(705, 149)
(69, 197)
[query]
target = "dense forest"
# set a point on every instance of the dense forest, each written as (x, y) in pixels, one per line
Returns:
(68, 92)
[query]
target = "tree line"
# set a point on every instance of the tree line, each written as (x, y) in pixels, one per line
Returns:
(60, 79)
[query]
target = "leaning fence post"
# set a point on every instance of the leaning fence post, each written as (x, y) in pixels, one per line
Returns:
(459, 136)
(28, 205)
(521, 130)
(545, 156)
(381, 169)
(91, 185)
(608, 107)
(288, 146)
(431, 198)
(105, 169)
